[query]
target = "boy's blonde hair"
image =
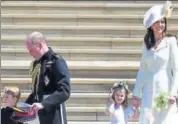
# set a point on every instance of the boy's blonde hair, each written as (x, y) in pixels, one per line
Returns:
(14, 91)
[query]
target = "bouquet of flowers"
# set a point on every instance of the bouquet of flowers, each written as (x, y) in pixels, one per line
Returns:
(161, 101)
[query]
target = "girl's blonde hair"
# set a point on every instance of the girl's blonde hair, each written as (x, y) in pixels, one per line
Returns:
(14, 91)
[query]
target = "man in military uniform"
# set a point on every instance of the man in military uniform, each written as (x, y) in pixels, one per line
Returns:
(50, 81)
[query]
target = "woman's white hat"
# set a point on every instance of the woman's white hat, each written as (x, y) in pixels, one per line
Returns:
(156, 13)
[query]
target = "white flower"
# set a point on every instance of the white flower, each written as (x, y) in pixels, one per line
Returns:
(161, 101)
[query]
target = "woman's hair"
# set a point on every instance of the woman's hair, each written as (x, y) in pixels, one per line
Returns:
(123, 87)
(149, 38)
(14, 91)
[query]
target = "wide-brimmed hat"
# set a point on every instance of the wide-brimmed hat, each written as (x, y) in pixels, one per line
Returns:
(156, 13)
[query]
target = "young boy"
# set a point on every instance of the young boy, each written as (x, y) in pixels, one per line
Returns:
(10, 98)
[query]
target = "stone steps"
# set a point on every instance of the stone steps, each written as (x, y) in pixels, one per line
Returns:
(85, 91)
(21, 53)
(77, 19)
(78, 85)
(78, 31)
(71, 19)
(16, 41)
(64, 7)
(81, 99)
(78, 69)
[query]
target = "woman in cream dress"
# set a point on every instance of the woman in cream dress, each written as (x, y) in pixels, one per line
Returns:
(159, 57)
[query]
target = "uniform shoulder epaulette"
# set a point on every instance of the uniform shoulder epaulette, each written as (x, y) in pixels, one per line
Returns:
(57, 56)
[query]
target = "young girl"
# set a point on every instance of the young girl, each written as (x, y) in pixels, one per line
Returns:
(118, 108)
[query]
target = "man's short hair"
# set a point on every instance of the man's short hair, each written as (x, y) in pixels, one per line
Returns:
(35, 37)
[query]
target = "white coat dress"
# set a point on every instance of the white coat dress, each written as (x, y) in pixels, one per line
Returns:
(154, 75)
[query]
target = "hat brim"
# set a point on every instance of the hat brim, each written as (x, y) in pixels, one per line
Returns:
(154, 14)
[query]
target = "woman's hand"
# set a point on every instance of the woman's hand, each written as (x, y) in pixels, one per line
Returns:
(172, 99)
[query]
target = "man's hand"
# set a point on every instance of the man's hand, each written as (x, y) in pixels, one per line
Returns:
(37, 106)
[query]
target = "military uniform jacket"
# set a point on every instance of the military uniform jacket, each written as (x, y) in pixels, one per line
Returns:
(6, 116)
(51, 87)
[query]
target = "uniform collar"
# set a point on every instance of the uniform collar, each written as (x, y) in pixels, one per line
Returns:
(47, 55)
